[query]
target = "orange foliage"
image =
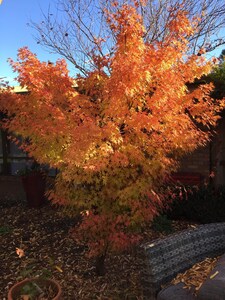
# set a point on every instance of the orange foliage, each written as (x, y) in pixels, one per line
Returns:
(116, 135)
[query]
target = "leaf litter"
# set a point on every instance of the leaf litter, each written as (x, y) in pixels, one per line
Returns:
(40, 237)
(194, 277)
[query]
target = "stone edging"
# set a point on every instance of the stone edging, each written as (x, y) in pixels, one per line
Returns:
(165, 258)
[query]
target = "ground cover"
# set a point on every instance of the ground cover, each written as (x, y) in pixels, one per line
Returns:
(44, 237)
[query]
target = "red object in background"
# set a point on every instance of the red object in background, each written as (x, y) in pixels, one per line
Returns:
(187, 178)
(34, 186)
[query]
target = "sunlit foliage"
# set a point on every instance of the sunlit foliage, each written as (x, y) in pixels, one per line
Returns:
(117, 133)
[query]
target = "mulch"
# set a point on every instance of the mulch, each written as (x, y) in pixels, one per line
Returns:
(44, 237)
(194, 277)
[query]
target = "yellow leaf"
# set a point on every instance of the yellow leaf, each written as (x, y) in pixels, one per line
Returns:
(59, 269)
(213, 275)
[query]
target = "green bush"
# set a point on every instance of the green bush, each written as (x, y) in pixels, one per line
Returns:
(203, 204)
(162, 224)
(5, 230)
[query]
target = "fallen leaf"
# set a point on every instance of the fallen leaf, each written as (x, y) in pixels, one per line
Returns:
(20, 252)
(59, 269)
(213, 275)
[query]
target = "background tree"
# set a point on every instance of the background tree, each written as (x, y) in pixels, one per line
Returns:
(117, 136)
(80, 25)
(222, 55)
(217, 76)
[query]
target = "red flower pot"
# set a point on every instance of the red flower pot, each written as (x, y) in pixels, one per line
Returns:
(15, 291)
(34, 186)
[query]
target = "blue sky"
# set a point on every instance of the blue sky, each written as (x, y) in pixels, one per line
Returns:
(14, 32)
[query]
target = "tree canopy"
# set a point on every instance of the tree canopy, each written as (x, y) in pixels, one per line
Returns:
(116, 133)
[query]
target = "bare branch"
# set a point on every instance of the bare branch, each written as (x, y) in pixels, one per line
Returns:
(79, 28)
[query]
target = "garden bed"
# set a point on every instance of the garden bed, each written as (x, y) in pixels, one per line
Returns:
(43, 235)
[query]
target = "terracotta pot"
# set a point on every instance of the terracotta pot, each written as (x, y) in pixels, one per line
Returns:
(34, 186)
(15, 290)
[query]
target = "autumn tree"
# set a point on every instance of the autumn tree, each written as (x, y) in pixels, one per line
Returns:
(116, 133)
(73, 31)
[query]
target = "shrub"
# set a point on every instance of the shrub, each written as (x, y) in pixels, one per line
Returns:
(162, 224)
(203, 204)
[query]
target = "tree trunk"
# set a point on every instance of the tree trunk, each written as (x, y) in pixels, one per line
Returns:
(100, 265)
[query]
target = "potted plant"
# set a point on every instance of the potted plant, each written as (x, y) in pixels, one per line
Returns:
(35, 285)
(34, 181)
(35, 289)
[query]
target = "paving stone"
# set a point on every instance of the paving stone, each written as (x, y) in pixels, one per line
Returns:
(176, 292)
(214, 288)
